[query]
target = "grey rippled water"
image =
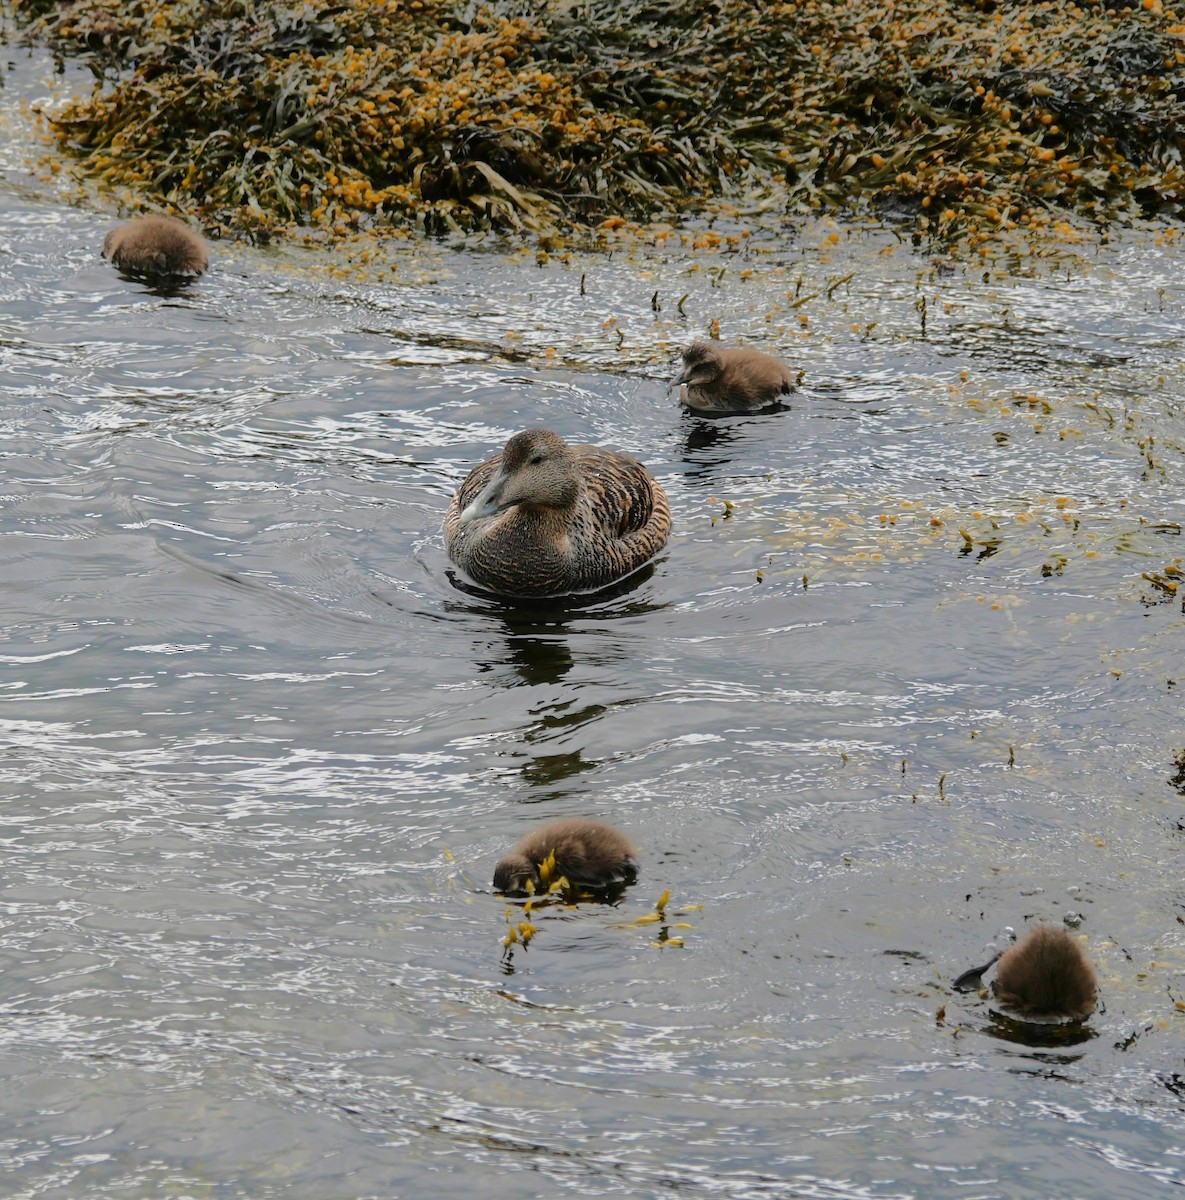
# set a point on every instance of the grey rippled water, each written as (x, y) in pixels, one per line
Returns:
(908, 674)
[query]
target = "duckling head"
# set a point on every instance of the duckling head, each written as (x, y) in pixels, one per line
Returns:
(701, 366)
(536, 470)
(513, 872)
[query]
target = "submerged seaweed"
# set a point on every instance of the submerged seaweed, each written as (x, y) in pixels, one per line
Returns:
(554, 115)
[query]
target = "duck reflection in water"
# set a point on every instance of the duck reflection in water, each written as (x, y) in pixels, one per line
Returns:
(541, 655)
(543, 708)
(588, 854)
(539, 652)
(706, 449)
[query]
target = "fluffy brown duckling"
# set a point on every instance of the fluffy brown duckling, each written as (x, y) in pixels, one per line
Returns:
(721, 379)
(157, 247)
(547, 519)
(589, 854)
(1046, 974)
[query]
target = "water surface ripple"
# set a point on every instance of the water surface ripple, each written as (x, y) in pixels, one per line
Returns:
(916, 682)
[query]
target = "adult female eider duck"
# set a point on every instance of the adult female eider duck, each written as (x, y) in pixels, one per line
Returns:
(157, 247)
(720, 379)
(587, 853)
(1046, 974)
(547, 519)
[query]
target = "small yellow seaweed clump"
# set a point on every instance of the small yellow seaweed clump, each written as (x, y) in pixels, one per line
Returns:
(522, 930)
(659, 917)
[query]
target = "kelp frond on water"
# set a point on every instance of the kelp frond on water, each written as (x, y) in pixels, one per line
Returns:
(969, 115)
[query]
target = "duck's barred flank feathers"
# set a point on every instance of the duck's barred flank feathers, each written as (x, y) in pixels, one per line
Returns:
(1046, 975)
(588, 854)
(722, 379)
(547, 519)
(156, 247)
(622, 497)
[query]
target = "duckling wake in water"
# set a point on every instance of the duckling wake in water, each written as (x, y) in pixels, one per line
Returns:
(547, 519)
(588, 854)
(721, 379)
(157, 247)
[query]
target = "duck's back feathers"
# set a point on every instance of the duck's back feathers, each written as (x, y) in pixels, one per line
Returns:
(547, 519)
(625, 490)
(589, 854)
(721, 379)
(157, 247)
(1046, 974)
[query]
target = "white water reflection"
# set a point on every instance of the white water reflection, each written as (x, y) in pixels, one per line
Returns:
(920, 682)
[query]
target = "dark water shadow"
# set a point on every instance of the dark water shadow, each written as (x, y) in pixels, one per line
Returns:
(578, 891)
(535, 639)
(539, 652)
(557, 608)
(774, 406)
(707, 447)
(1040, 1035)
(550, 770)
(701, 435)
(709, 440)
(167, 287)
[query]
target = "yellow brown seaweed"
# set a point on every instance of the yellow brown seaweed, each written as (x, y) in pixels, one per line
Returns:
(969, 118)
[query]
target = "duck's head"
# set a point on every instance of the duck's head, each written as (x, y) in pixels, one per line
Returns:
(537, 469)
(701, 365)
(513, 872)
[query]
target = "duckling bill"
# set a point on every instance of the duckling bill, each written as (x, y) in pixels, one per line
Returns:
(157, 248)
(544, 518)
(589, 854)
(720, 379)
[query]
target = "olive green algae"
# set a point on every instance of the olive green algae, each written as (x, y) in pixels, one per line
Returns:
(556, 117)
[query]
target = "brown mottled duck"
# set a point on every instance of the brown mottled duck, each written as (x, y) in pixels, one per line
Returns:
(1046, 974)
(587, 853)
(547, 519)
(157, 247)
(722, 379)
